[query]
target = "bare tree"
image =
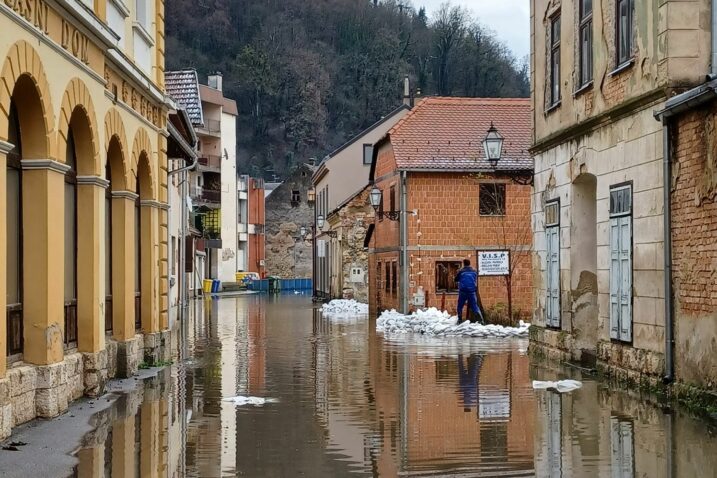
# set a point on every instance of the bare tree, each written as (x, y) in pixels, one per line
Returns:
(449, 27)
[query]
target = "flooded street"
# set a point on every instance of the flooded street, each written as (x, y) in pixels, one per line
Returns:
(350, 401)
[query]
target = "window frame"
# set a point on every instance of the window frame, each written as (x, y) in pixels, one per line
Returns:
(624, 58)
(71, 334)
(501, 212)
(367, 147)
(14, 311)
(392, 198)
(554, 53)
(394, 278)
(585, 24)
(387, 284)
(447, 290)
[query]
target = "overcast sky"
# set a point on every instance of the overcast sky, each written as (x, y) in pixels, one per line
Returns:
(509, 19)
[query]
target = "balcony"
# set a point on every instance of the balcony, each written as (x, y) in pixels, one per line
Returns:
(210, 162)
(212, 127)
(212, 196)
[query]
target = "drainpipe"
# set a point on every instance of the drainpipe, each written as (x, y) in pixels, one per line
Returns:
(667, 189)
(404, 242)
(713, 63)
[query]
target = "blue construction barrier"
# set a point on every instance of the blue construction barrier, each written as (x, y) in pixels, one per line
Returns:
(284, 284)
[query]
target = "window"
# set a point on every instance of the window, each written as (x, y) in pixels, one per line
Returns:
(394, 277)
(367, 153)
(445, 275)
(586, 42)
(622, 447)
(174, 256)
(392, 199)
(108, 249)
(621, 263)
(137, 260)
(387, 284)
(13, 218)
(552, 257)
(71, 244)
(624, 34)
(295, 196)
(492, 199)
(142, 13)
(116, 15)
(554, 60)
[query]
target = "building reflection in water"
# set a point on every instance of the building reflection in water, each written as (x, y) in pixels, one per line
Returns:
(352, 400)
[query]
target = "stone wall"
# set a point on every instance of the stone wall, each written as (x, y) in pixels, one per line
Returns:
(352, 221)
(287, 255)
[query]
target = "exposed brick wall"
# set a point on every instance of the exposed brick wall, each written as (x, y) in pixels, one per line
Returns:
(448, 226)
(694, 215)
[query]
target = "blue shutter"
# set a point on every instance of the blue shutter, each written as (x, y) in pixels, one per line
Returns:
(553, 272)
(615, 278)
(626, 278)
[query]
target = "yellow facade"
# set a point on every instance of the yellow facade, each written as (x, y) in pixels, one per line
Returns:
(86, 78)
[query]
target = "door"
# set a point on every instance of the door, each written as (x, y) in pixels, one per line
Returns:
(552, 236)
(621, 264)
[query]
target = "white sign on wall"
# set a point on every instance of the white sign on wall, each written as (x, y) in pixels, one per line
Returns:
(320, 248)
(493, 263)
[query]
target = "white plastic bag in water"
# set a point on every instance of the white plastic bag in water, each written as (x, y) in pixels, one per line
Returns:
(562, 386)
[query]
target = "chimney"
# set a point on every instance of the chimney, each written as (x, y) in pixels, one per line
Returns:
(215, 81)
(407, 92)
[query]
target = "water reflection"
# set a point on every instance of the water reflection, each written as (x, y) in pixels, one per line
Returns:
(352, 402)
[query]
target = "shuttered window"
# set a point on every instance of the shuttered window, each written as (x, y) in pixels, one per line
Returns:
(622, 448)
(552, 237)
(621, 263)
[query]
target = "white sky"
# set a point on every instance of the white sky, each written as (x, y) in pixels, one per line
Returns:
(509, 19)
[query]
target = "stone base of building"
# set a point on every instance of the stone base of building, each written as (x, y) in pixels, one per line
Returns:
(625, 363)
(45, 391)
(554, 345)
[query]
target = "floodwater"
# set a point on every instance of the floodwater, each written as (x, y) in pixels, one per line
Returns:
(351, 402)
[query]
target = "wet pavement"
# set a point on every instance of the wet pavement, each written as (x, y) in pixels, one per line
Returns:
(352, 402)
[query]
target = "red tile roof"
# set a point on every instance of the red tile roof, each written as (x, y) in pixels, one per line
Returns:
(447, 134)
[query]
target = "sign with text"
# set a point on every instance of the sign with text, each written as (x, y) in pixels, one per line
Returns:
(493, 263)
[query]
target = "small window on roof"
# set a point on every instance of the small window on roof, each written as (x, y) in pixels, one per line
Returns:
(367, 153)
(295, 196)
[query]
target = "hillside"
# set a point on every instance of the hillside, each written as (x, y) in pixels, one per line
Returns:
(308, 75)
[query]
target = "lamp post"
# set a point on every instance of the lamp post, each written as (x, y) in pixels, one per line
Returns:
(302, 237)
(376, 196)
(493, 145)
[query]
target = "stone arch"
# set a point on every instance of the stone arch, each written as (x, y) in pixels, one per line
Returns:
(23, 75)
(142, 165)
(116, 149)
(78, 112)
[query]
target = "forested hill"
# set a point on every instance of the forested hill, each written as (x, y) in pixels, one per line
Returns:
(309, 74)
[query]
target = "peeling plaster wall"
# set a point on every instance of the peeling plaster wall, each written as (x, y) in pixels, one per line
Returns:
(671, 49)
(629, 149)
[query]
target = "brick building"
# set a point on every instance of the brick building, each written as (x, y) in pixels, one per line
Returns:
(598, 204)
(443, 201)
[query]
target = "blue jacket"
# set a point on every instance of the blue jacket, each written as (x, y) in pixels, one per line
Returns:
(466, 279)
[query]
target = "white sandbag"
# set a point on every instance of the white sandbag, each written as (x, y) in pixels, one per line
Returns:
(344, 307)
(562, 386)
(440, 323)
(256, 401)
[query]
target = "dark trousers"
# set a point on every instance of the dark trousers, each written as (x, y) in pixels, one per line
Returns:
(470, 297)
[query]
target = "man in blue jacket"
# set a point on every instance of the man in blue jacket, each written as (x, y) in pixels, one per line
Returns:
(467, 280)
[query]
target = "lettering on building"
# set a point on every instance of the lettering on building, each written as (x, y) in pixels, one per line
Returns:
(34, 11)
(75, 42)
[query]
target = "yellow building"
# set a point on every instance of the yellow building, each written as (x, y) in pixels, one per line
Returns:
(83, 208)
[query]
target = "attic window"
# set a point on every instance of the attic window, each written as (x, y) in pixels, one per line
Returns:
(295, 196)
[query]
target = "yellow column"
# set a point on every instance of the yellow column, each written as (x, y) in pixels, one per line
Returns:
(4, 149)
(149, 242)
(90, 282)
(123, 434)
(149, 439)
(43, 215)
(123, 249)
(164, 268)
(92, 462)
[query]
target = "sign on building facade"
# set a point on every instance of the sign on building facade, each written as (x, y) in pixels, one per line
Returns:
(493, 263)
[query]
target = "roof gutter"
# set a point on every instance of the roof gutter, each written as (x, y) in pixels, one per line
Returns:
(188, 150)
(688, 100)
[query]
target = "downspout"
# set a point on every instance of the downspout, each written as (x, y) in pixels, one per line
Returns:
(713, 45)
(667, 189)
(403, 242)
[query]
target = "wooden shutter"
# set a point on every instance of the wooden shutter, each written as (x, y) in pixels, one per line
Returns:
(553, 303)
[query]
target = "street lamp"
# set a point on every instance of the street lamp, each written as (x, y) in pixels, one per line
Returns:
(320, 222)
(376, 196)
(493, 145)
(302, 231)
